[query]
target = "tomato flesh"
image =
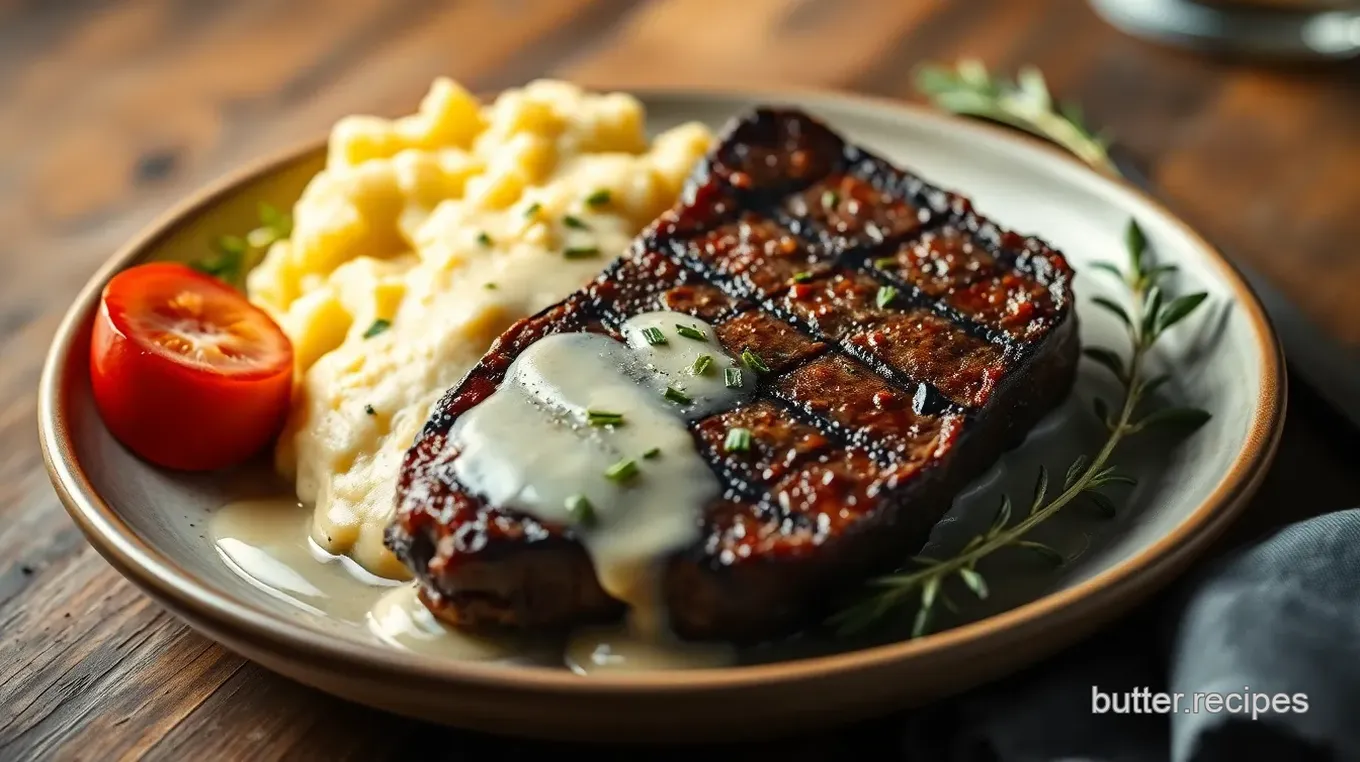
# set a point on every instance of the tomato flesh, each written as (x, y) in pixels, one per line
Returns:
(186, 372)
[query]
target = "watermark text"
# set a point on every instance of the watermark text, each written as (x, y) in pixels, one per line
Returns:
(1148, 701)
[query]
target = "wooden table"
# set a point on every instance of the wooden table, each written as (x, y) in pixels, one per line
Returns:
(110, 112)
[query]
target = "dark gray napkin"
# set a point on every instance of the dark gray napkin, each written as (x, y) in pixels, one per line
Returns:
(1277, 623)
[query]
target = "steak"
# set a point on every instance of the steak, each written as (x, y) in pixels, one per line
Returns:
(909, 342)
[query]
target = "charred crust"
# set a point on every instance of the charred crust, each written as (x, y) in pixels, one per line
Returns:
(910, 342)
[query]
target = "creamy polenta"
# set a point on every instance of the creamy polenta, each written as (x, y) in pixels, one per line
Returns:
(422, 239)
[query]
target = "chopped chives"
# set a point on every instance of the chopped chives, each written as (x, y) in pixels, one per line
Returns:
(580, 510)
(483, 238)
(532, 209)
(653, 335)
(580, 252)
(883, 263)
(701, 365)
(622, 471)
(738, 440)
(885, 296)
(655, 452)
(754, 362)
(603, 418)
(675, 395)
(598, 198)
(690, 332)
(829, 199)
(369, 409)
(574, 222)
(802, 277)
(377, 327)
(732, 378)
(489, 286)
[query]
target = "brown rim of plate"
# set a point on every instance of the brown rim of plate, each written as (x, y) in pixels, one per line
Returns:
(1092, 599)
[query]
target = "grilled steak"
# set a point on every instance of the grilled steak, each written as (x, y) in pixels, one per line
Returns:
(909, 342)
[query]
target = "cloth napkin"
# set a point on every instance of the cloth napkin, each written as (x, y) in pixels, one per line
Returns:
(1281, 618)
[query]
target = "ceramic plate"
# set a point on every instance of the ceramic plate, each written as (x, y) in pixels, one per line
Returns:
(151, 525)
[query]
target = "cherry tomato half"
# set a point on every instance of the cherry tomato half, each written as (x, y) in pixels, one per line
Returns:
(187, 373)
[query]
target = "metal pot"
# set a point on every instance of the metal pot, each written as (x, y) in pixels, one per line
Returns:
(1289, 29)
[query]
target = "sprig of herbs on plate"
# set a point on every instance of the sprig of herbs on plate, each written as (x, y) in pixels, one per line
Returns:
(1146, 318)
(235, 255)
(969, 89)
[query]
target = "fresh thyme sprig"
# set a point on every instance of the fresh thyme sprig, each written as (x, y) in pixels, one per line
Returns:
(1149, 315)
(236, 255)
(1026, 103)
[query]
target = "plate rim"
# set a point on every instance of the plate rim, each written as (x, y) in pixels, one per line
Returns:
(1093, 600)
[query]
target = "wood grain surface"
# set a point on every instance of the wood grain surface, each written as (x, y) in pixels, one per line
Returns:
(111, 111)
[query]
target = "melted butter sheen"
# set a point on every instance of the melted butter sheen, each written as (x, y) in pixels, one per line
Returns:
(398, 618)
(626, 648)
(267, 543)
(530, 446)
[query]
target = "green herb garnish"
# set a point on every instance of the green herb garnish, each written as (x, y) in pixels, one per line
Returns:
(754, 362)
(489, 286)
(229, 262)
(231, 244)
(675, 395)
(261, 238)
(622, 471)
(653, 335)
(271, 217)
(604, 418)
(652, 454)
(830, 199)
(236, 255)
(484, 239)
(802, 277)
(1145, 320)
(377, 327)
(531, 210)
(369, 409)
(701, 365)
(738, 440)
(732, 377)
(598, 198)
(580, 511)
(884, 263)
(885, 296)
(969, 89)
(580, 252)
(690, 332)
(574, 222)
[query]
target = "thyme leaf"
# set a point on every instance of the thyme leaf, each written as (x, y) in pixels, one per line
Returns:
(1026, 103)
(922, 583)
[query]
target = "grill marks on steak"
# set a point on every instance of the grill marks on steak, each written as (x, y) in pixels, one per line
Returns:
(909, 342)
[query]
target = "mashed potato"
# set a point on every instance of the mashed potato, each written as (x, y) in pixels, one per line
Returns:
(421, 240)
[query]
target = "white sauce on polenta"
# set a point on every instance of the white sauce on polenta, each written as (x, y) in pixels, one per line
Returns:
(421, 240)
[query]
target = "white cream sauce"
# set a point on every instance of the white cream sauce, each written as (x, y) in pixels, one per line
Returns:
(531, 446)
(267, 542)
(399, 619)
(627, 647)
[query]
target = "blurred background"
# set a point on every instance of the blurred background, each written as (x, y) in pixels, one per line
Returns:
(1243, 117)
(110, 111)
